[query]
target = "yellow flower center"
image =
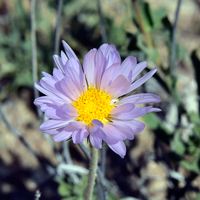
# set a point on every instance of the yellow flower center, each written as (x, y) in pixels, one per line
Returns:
(93, 104)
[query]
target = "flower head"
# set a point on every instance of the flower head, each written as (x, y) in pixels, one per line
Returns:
(92, 101)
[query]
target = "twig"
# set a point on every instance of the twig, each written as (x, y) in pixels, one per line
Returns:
(57, 31)
(15, 132)
(141, 24)
(173, 68)
(23, 141)
(71, 169)
(67, 156)
(173, 51)
(68, 160)
(196, 64)
(103, 159)
(85, 150)
(35, 76)
(51, 144)
(34, 53)
(37, 195)
(103, 29)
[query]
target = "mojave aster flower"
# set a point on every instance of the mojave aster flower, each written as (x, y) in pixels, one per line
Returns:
(94, 102)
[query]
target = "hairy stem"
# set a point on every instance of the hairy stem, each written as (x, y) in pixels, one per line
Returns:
(92, 172)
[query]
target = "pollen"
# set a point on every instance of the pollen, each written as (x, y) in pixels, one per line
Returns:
(94, 104)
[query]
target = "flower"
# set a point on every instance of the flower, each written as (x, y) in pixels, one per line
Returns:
(95, 101)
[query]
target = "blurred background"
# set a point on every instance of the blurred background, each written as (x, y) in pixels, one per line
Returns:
(163, 161)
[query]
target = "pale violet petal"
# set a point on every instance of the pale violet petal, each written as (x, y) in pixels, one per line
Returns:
(75, 65)
(129, 128)
(57, 74)
(140, 111)
(123, 108)
(46, 75)
(142, 80)
(63, 135)
(96, 137)
(123, 127)
(100, 68)
(119, 148)
(155, 110)
(139, 67)
(55, 112)
(70, 53)
(127, 66)
(54, 131)
(77, 124)
(135, 113)
(95, 140)
(113, 58)
(59, 63)
(49, 93)
(103, 48)
(97, 123)
(41, 100)
(118, 87)
(53, 124)
(109, 75)
(141, 98)
(107, 49)
(113, 135)
(41, 89)
(77, 81)
(89, 67)
(49, 84)
(63, 58)
(136, 126)
(69, 89)
(79, 136)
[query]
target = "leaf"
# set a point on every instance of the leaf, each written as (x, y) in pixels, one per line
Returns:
(146, 15)
(24, 79)
(195, 120)
(194, 117)
(198, 196)
(182, 53)
(79, 190)
(157, 16)
(117, 35)
(151, 120)
(177, 144)
(193, 166)
(152, 54)
(64, 190)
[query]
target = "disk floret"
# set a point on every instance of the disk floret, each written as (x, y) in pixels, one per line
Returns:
(93, 104)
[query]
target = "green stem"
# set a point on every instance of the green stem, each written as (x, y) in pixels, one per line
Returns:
(141, 24)
(92, 172)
